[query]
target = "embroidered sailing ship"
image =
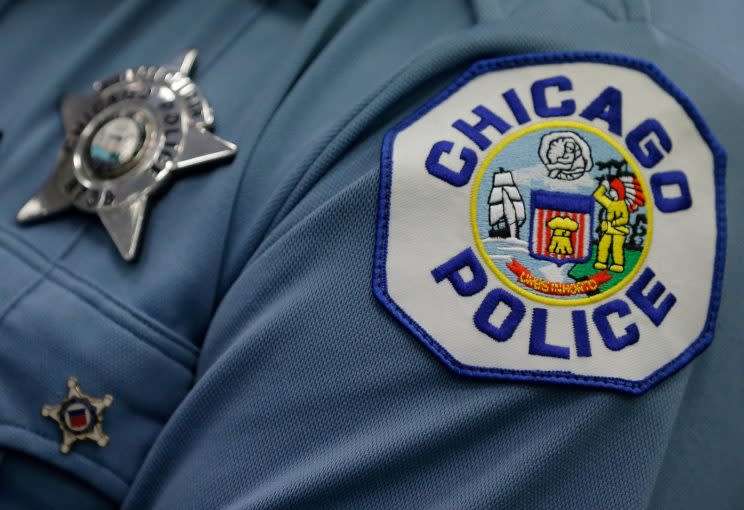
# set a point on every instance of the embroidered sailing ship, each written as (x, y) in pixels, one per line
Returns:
(506, 208)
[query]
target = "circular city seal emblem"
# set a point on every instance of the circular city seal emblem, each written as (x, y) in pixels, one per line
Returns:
(123, 144)
(555, 219)
(567, 226)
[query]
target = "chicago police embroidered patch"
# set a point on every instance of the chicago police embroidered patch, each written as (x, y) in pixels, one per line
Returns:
(555, 218)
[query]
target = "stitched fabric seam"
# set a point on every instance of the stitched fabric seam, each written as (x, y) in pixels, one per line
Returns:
(148, 322)
(92, 306)
(54, 442)
(230, 42)
(52, 277)
(306, 59)
(40, 277)
(338, 130)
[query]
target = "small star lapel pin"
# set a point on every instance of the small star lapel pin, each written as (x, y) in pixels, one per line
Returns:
(124, 143)
(79, 416)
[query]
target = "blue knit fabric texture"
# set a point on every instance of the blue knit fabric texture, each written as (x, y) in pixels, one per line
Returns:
(251, 365)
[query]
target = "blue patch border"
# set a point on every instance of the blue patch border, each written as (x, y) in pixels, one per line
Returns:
(533, 206)
(379, 277)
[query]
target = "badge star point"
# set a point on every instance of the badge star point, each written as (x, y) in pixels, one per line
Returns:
(93, 409)
(185, 62)
(124, 224)
(49, 201)
(201, 146)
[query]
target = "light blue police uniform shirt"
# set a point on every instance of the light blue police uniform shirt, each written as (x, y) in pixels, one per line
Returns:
(251, 365)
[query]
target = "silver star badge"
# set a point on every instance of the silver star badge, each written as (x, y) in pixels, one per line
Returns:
(79, 416)
(124, 143)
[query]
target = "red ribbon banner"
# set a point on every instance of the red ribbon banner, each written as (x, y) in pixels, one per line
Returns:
(525, 277)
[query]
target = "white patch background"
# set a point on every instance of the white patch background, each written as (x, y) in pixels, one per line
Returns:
(430, 222)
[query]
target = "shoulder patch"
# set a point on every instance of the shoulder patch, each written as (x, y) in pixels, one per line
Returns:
(555, 218)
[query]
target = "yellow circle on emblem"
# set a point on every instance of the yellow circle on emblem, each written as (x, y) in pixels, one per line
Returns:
(565, 218)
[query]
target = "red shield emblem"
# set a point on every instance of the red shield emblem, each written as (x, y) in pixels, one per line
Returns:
(561, 226)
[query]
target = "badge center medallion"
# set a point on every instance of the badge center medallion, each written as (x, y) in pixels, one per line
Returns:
(116, 143)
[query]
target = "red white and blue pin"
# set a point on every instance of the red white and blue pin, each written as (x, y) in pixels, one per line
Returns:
(79, 416)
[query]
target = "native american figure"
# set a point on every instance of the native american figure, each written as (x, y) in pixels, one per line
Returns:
(619, 197)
